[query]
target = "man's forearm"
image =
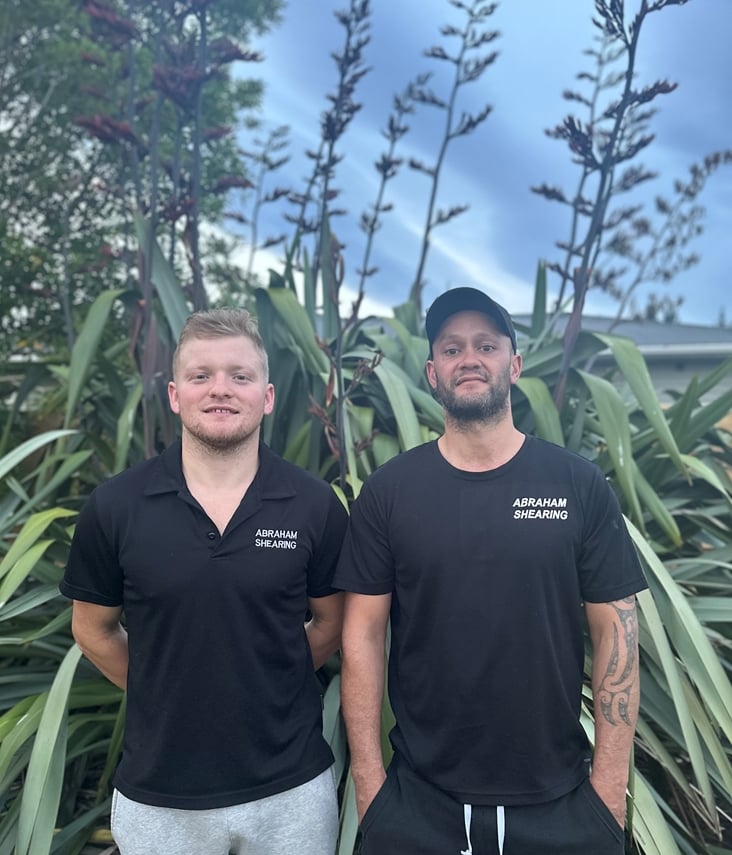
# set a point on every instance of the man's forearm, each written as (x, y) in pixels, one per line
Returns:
(616, 692)
(323, 630)
(362, 689)
(323, 639)
(109, 652)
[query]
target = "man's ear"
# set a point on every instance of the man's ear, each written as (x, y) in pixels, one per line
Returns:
(429, 370)
(173, 397)
(269, 399)
(516, 366)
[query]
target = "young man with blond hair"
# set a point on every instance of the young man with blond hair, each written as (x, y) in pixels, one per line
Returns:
(201, 583)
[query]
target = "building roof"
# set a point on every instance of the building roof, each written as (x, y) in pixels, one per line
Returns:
(657, 339)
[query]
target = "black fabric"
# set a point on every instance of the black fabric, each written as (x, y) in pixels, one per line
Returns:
(410, 815)
(223, 704)
(466, 300)
(487, 573)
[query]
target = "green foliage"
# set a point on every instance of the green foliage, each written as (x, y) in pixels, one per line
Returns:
(48, 173)
(60, 722)
(101, 108)
(351, 393)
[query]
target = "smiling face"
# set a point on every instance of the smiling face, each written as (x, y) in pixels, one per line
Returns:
(220, 391)
(472, 368)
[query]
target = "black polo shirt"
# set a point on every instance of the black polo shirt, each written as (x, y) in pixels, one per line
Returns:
(223, 704)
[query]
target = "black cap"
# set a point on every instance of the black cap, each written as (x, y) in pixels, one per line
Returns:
(466, 300)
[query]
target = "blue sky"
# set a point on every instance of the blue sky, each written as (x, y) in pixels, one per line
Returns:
(496, 245)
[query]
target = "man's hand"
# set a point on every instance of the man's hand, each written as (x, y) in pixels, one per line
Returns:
(366, 791)
(610, 795)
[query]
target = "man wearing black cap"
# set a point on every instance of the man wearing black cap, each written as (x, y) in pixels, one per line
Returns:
(487, 550)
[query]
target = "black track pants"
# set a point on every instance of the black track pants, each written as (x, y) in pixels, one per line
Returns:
(409, 816)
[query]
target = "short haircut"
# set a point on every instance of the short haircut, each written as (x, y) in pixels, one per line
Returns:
(220, 323)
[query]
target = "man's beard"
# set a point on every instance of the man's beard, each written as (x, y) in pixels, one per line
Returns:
(220, 444)
(485, 406)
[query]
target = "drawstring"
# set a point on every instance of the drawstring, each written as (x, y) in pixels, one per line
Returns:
(468, 815)
(501, 827)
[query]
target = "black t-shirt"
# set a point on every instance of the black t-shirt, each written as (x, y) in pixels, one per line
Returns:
(223, 703)
(488, 571)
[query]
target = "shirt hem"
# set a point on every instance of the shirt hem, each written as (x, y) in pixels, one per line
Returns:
(220, 800)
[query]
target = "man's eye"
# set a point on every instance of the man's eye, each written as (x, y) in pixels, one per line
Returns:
(241, 378)
(451, 351)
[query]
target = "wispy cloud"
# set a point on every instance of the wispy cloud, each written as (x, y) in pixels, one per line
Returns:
(500, 240)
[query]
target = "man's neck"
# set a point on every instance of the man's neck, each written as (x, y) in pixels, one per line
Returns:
(229, 469)
(478, 447)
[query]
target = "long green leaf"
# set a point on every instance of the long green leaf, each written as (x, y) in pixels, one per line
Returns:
(673, 677)
(29, 534)
(705, 418)
(8, 829)
(348, 820)
(125, 426)
(543, 408)
(650, 828)
(700, 469)
(16, 726)
(334, 729)
(15, 577)
(635, 371)
(414, 348)
(85, 347)
(353, 476)
(70, 464)
(401, 405)
(298, 324)
(64, 837)
(25, 449)
(538, 314)
(690, 640)
(42, 789)
(114, 750)
(656, 507)
(28, 601)
(163, 277)
(616, 434)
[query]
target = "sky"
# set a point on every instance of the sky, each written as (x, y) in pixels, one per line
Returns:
(497, 244)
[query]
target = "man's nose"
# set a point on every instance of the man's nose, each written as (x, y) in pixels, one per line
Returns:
(470, 356)
(221, 385)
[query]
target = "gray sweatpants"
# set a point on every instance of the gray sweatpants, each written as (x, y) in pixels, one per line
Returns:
(302, 820)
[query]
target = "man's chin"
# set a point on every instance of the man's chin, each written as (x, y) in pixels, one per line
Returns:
(467, 410)
(221, 443)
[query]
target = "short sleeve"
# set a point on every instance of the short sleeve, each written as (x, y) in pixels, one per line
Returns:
(608, 564)
(325, 556)
(367, 563)
(92, 573)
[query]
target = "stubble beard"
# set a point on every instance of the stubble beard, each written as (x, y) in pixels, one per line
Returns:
(221, 445)
(484, 408)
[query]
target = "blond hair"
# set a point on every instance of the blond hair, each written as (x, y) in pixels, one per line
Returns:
(219, 323)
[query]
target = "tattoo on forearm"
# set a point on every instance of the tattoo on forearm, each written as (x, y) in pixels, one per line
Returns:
(618, 683)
